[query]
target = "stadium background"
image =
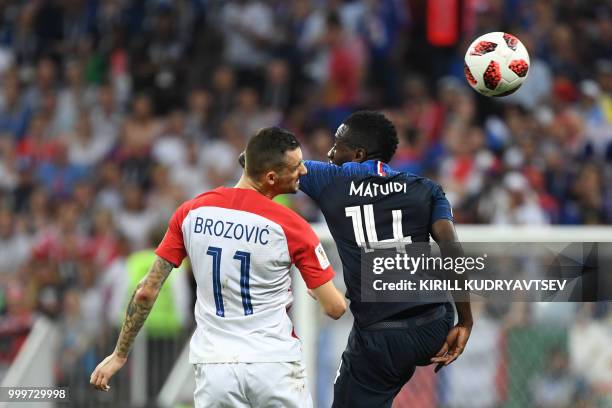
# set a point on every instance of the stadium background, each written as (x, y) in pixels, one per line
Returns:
(113, 112)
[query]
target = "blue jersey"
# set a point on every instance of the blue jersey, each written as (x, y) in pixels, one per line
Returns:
(370, 202)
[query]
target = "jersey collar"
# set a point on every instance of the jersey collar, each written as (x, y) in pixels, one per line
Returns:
(379, 168)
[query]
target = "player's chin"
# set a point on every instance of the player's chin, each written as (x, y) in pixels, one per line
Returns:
(294, 188)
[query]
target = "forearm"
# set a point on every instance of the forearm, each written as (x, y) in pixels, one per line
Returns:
(464, 313)
(141, 303)
(461, 298)
(137, 312)
(444, 233)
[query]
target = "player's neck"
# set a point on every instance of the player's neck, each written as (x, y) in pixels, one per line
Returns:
(249, 184)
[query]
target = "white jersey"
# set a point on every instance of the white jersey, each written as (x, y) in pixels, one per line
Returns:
(241, 246)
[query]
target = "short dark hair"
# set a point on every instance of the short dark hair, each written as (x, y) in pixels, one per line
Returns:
(373, 132)
(266, 150)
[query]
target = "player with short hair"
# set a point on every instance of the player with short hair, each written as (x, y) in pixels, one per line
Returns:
(241, 245)
(389, 339)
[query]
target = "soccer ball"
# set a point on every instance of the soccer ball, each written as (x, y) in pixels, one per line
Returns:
(496, 64)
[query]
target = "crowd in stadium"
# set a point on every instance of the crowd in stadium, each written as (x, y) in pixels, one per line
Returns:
(114, 112)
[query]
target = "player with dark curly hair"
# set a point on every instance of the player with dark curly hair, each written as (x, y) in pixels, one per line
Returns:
(388, 339)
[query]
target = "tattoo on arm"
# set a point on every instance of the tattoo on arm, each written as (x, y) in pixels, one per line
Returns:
(138, 309)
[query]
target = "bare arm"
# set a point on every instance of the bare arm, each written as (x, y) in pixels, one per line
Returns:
(141, 303)
(443, 231)
(331, 300)
(138, 309)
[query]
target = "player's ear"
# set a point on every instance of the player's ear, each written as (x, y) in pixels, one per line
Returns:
(270, 178)
(359, 155)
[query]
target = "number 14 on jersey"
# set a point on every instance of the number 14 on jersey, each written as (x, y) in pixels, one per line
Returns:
(370, 227)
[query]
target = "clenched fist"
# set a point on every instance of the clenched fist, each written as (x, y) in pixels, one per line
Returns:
(105, 370)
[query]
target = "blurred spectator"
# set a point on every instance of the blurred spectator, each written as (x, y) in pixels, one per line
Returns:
(249, 33)
(219, 156)
(555, 387)
(223, 93)
(171, 147)
(137, 137)
(14, 246)
(37, 147)
(589, 337)
(9, 177)
(141, 129)
(104, 244)
(379, 27)
(165, 196)
(198, 121)
(15, 323)
(106, 118)
(44, 83)
(279, 86)
(249, 116)
(134, 219)
(159, 52)
(462, 172)
(59, 175)
(109, 188)
(587, 205)
(517, 204)
(604, 79)
(84, 149)
(14, 114)
(341, 91)
(191, 174)
(75, 97)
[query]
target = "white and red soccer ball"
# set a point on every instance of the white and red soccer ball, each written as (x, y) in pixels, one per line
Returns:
(496, 64)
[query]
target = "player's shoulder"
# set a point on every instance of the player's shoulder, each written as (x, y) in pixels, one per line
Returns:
(319, 168)
(286, 217)
(416, 178)
(205, 199)
(354, 169)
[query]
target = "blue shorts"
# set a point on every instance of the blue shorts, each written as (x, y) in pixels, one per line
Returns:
(381, 358)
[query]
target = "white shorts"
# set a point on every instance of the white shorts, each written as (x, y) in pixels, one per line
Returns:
(262, 385)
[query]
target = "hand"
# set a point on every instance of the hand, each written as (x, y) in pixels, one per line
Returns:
(454, 345)
(105, 370)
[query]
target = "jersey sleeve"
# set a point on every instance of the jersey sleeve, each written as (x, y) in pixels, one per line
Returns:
(441, 208)
(308, 255)
(319, 176)
(172, 246)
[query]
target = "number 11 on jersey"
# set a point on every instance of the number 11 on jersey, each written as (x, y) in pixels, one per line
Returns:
(245, 293)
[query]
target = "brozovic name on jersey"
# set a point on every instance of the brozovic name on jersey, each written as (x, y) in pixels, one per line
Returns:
(365, 189)
(231, 230)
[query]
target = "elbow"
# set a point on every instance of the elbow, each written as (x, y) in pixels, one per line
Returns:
(337, 310)
(145, 295)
